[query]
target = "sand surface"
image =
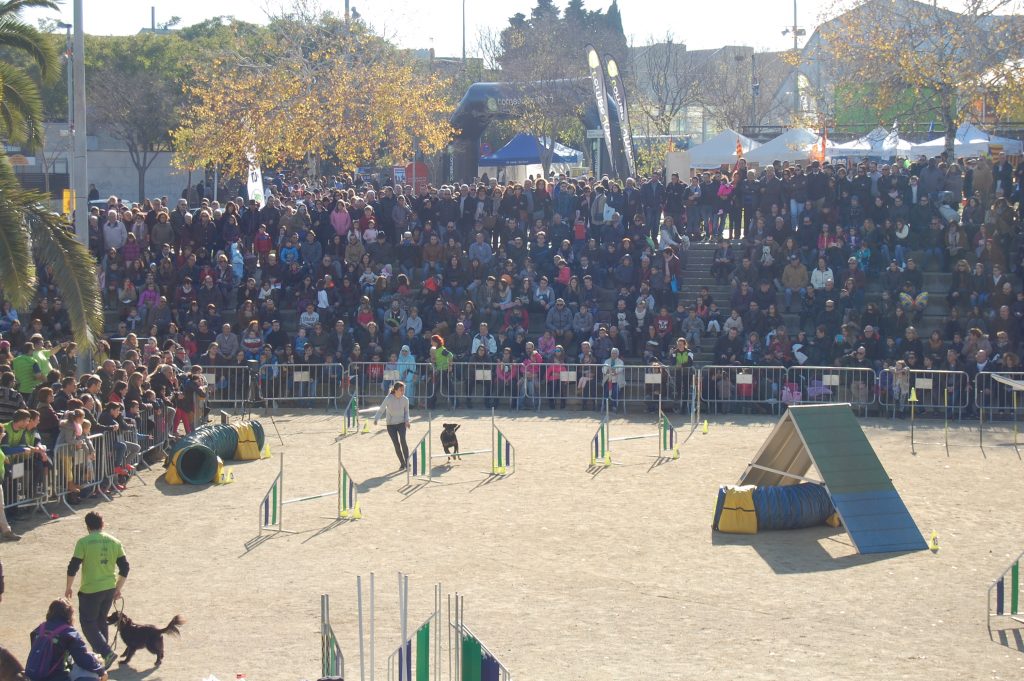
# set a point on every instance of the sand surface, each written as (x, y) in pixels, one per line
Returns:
(567, 575)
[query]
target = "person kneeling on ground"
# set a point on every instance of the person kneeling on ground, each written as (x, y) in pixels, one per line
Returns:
(56, 640)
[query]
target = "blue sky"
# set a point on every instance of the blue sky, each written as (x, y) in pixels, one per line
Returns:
(412, 24)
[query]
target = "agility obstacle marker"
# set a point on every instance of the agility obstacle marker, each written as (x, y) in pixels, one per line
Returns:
(271, 511)
(666, 447)
(1008, 584)
(332, 661)
(412, 659)
(473, 661)
(828, 439)
(503, 453)
(353, 417)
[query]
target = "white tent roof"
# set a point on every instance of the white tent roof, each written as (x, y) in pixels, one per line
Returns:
(719, 150)
(878, 142)
(969, 141)
(795, 144)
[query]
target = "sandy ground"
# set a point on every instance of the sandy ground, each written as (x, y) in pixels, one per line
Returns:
(567, 575)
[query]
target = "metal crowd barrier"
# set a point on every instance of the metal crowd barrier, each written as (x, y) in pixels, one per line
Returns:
(490, 384)
(731, 388)
(82, 468)
(811, 384)
(994, 399)
(227, 386)
(29, 481)
(302, 383)
(938, 393)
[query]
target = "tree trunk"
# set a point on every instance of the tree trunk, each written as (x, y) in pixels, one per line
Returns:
(950, 122)
(142, 182)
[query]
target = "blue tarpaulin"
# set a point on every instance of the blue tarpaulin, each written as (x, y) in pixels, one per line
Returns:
(524, 149)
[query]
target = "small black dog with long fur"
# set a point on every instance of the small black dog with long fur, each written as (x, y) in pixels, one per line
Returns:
(450, 441)
(138, 636)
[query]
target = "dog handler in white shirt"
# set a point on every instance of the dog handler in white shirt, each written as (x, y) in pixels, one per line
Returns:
(395, 409)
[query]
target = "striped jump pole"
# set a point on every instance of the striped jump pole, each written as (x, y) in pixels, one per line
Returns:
(348, 495)
(599, 454)
(503, 454)
(271, 511)
(351, 420)
(420, 456)
(332, 661)
(1006, 587)
(667, 440)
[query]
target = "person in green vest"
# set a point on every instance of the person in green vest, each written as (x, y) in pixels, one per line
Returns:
(104, 571)
(27, 371)
(16, 438)
(32, 365)
(442, 358)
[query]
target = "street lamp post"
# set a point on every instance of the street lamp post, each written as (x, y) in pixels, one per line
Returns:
(755, 90)
(71, 121)
(80, 189)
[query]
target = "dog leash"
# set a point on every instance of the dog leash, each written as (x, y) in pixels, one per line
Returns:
(117, 628)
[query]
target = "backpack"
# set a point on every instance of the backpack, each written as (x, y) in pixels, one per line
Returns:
(47, 654)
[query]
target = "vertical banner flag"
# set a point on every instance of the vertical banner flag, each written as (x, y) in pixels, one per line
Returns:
(601, 95)
(254, 184)
(619, 95)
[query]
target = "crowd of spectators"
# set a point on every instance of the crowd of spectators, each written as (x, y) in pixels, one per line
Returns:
(553, 271)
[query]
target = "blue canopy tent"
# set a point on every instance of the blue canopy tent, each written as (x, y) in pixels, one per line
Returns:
(524, 149)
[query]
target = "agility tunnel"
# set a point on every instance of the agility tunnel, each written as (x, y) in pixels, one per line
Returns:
(746, 510)
(198, 458)
(778, 492)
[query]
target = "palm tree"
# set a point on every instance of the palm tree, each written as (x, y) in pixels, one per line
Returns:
(21, 106)
(29, 231)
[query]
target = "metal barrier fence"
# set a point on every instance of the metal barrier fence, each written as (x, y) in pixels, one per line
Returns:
(937, 393)
(95, 465)
(995, 399)
(374, 380)
(730, 388)
(811, 384)
(282, 384)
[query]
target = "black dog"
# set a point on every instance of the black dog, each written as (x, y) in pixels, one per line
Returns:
(450, 441)
(137, 636)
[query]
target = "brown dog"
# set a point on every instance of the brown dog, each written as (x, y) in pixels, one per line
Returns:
(138, 636)
(10, 668)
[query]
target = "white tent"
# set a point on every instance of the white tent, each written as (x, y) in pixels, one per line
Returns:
(969, 141)
(879, 142)
(719, 150)
(796, 144)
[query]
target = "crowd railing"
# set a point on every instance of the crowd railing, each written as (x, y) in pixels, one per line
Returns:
(931, 392)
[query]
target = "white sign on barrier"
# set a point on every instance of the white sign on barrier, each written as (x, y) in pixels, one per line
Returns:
(301, 377)
(483, 374)
(18, 470)
(923, 383)
(391, 375)
(652, 378)
(830, 379)
(211, 379)
(567, 377)
(744, 379)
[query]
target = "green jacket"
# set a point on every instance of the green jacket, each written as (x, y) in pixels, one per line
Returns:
(443, 359)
